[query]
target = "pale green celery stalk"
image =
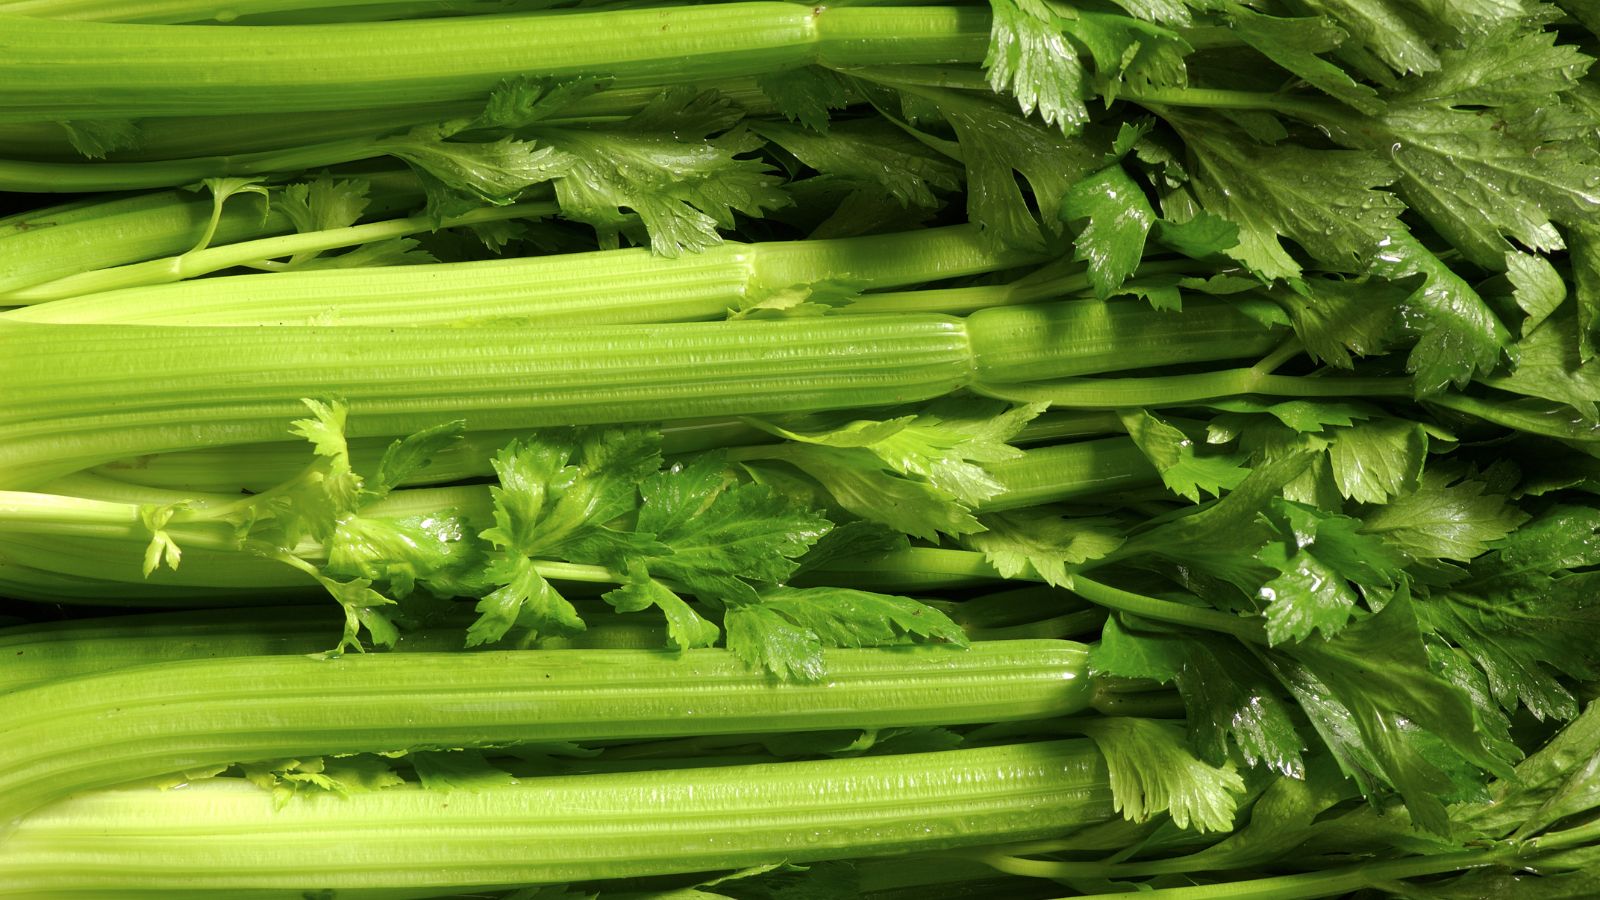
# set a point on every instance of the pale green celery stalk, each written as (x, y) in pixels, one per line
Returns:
(52, 651)
(204, 261)
(120, 726)
(19, 581)
(1069, 471)
(89, 523)
(61, 241)
(1179, 390)
(150, 389)
(54, 70)
(256, 467)
(598, 287)
(206, 11)
(224, 839)
(29, 176)
(182, 137)
(1054, 282)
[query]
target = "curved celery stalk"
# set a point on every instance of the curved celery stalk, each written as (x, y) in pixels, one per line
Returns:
(52, 651)
(600, 287)
(256, 467)
(224, 839)
(62, 241)
(195, 263)
(178, 11)
(120, 726)
(150, 389)
(186, 137)
(56, 70)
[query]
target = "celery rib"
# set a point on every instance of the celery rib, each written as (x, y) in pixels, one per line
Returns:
(112, 728)
(224, 839)
(54, 70)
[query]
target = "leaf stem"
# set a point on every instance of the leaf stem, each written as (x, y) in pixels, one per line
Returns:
(1166, 610)
(1177, 390)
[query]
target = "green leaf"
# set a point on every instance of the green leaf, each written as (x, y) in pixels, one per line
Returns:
(721, 539)
(1384, 29)
(1375, 698)
(1584, 241)
(1153, 772)
(946, 442)
(94, 138)
(1227, 697)
(997, 146)
(1537, 287)
(1200, 237)
(405, 457)
(1173, 454)
(764, 639)
(1376, 460)
(1548, 367)
(1308, 416)
(524, 100)
(457, 770)
(459, 176)
(1031, 58)
(330, 490)
(1119, 218)
(661, 167)
(324, 203)
(842, 617)
(431, 549)
(1521, 636)
(1221, 537)
(871, 154)
(1318, 555)
(557, 490)
(786, 631)
(362, 609)
(805, 95)
(524, 598)
(162, 548)
(1294, 44)
(861, 483)
(1039, 539)
(685, 627)
(1326, 201)
(1335, 318)
(1458, 334)
(1453, 514)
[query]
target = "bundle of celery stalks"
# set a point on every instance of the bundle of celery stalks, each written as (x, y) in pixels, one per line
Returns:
(550, 449)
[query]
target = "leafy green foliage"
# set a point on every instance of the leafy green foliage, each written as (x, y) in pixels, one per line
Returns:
(1038, 539)
(1296, 45)
(786, 629)
(1326, 201)
(1153, 772)
(1454, 513)
(1321, 560)
(678, 186)
(95, 138)
(1173, 454)
(1119, 218)
(1231, 703)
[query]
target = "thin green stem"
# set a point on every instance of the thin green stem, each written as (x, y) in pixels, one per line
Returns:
(1167, 611)
(1177, 390)
(1217, 98)
(1310, 885)
(214, 259)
